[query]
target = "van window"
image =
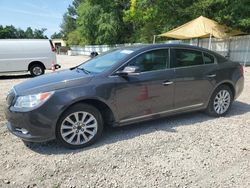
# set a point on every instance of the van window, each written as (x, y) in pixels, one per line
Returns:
(186, 57)
(208, 59)
(150, 61)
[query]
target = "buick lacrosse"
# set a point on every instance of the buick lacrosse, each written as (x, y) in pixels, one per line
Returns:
(121, 87)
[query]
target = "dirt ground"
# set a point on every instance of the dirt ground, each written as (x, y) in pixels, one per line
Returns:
(190, 150)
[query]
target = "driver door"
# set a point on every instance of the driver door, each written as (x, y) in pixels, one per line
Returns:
(148, 92)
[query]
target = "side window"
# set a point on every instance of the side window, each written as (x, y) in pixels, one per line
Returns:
(208, 59)
(150, 61)
(186, 57)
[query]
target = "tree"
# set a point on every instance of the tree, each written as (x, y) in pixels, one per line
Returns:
(233, 13)
(75, 38)
(20, 34)
(121, 21)
(10, 32)
(57, 35)
(39, 33)
(87, 21)
(69, 18)
(102, 22)
(150, 17)
(29, 33)
(68, 25)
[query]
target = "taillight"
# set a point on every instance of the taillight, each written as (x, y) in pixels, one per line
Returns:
(241, 70)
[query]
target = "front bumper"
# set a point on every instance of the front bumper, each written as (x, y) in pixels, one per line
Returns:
(37, 126)
(27, 137)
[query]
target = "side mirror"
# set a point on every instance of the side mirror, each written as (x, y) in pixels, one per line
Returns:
(129, 70)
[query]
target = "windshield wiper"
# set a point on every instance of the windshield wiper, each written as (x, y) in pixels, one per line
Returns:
(83, 69)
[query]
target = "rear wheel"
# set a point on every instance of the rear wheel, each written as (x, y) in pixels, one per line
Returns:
(220, 101)
(36, 70)
(80, 126)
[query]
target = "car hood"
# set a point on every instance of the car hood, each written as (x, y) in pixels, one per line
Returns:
(53, 81)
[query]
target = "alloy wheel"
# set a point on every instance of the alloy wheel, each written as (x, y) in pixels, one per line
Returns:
(222, 101)
(78, 128)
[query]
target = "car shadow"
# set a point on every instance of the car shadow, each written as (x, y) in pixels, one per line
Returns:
(9, 77)
(113, 135)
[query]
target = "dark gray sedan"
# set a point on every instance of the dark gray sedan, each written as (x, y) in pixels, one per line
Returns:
(121, 87)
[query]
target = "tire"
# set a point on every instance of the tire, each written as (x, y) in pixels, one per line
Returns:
(27, 143)
(37, 70)
(220, 101)
(80, 126)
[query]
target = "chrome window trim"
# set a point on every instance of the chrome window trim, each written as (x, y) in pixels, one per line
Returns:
(169, 60)
(192, 66)
(159, 113)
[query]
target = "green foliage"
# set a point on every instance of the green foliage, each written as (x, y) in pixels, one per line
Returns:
(233, 13)
(10, 32)
(57, 35)
(75, 38)
(121, 21)
(87, 21)
(68, 25)
(69, 19)
(29, 33)
(102, 22)
(39, 33)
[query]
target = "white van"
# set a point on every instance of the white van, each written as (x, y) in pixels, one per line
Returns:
(23, 55)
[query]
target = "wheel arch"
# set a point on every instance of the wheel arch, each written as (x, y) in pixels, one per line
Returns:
(34, 63)
(106, 111)
(227, 83)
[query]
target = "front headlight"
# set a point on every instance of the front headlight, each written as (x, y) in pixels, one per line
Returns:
(32, 101)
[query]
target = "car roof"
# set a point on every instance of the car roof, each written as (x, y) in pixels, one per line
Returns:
(142, 47)
(152, 46)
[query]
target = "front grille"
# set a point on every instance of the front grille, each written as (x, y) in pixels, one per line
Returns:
(10, 97)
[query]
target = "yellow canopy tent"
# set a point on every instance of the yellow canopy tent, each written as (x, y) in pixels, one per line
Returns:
(201, 27)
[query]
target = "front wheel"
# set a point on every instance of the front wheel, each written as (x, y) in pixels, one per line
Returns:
(80, 126)
(220, 102)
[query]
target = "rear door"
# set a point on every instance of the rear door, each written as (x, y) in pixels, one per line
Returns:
(149, 92)
(195, 73)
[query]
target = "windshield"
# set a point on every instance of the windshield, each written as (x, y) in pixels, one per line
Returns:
(105, 61)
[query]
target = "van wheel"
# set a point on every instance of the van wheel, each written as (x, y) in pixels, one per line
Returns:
(220, 102)
(36, 70)
(80, 126)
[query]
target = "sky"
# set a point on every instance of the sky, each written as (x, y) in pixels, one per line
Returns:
(36, 14)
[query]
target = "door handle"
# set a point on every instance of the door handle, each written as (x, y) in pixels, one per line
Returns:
(166, 83)
(211, 75)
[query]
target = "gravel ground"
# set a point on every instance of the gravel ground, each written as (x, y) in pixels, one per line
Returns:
(190, 150)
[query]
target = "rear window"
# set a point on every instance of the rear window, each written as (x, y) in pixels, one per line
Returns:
(221, 59)
(186, 57)
(208, 59)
